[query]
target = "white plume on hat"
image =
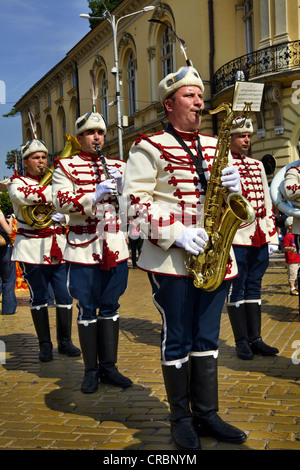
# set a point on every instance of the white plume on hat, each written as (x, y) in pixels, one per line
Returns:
(185, 76)
(241, 125)
(33, 146)
(89, 121)
(288, 221)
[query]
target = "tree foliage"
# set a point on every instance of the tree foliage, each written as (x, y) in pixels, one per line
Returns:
(11, 113)
(98, 7)
(10, 160)
(5, 203)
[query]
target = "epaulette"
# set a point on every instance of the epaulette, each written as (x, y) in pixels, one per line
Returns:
(16, 177)
(293, 168)
(147, 136)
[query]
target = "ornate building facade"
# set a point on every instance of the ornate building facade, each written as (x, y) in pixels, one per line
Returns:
(253, 39)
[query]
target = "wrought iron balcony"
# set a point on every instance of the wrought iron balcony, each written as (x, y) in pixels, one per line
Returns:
(270, 60)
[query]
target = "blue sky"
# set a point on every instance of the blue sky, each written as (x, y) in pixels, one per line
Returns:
(34, 36)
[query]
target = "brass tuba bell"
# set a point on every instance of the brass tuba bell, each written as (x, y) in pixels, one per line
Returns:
(39, 216)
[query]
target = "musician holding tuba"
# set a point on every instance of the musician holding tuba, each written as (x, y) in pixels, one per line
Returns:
(87, 188)
(252, 245)
(165, 182)
(292, 192)
(39, 252)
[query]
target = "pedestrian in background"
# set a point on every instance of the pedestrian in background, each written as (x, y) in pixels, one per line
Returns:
(7, 268)
(292, 258)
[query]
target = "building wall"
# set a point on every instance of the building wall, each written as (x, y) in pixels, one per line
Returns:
(214, 33)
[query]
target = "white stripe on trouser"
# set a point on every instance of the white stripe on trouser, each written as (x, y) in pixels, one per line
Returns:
(69, 306)
(38, 307)
(86, 322)
(114, 318)
(213, 353)
(164, 324)
(237, 303)
(177, 362)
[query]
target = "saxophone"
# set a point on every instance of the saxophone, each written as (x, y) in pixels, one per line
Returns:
(220, 222)
(39, 216)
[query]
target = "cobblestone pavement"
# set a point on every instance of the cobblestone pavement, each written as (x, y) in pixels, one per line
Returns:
(41, 406)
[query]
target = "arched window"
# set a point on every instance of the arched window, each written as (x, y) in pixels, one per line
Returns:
(131, 81)
(103, 96)
(166, 54)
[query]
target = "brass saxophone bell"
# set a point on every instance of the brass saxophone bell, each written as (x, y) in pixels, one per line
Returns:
(39, 216)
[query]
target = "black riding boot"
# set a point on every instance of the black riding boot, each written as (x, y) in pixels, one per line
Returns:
(40, 319)
(183, 431)
(108, 339)
(237, 317)
(87, 332)
(204, 401)
(253, 315)
(63, 331)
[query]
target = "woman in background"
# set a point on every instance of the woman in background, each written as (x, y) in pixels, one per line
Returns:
(7, 267)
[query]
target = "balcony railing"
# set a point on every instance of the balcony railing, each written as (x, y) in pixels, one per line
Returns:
(270, 60)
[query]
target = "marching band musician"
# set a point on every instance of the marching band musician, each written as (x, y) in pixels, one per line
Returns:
(252, 244)
(292, 192)
(96, 249)
(39, 253)
(164, 189)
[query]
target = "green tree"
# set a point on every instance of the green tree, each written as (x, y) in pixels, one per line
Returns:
(5, 203)
(11, 113)
(10, 160)
(98, 7)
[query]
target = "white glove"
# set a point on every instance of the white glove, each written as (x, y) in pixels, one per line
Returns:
(104, 188)
(116, 175)
(58, 218)
(193, 240)
(231, 179)
(272, 249)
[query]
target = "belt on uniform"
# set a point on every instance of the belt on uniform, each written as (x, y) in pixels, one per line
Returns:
(41, 233)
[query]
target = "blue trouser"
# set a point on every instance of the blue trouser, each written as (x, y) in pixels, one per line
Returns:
(97, 289)
(7, 281)
(38, 278)
(252, 264)
(190, 316)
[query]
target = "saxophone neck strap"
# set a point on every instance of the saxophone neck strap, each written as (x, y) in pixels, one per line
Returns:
(197, 160)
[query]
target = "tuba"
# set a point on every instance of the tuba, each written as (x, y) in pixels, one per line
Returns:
(277, 192)
(208, 268)
(39, 216)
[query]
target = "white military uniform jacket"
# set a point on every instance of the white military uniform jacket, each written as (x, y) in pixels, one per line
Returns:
(255, 189)
(34, 246)
(94, 235)
(165, 196)
(292, 191)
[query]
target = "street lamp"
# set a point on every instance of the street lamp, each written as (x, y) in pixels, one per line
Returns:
(115, 71)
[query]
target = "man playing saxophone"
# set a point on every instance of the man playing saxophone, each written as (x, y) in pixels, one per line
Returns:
(165, 182)
(39, 252)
